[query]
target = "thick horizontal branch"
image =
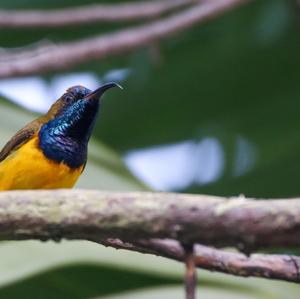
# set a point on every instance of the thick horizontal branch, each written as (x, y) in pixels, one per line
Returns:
(273, 266)
(131, 11)
(66, 55)
(84, 214)
(141, 220)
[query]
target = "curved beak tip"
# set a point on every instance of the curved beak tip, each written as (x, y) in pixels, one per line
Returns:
(101, 90)
(120, 86)
(109, 85)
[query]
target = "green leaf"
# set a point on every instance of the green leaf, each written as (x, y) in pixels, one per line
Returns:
(81, 281)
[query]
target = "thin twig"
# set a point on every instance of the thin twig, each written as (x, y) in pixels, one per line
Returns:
(67, 55)
(131, 11)
(190, 280)
(272, 266)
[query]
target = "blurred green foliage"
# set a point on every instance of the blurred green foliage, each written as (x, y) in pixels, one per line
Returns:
(234, 77)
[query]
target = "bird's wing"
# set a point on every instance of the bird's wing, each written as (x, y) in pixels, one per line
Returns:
(20, 138)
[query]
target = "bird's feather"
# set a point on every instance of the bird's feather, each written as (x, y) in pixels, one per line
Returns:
(28, 168)
(21, 137)
(26, 133)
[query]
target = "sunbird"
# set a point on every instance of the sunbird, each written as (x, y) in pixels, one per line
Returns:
(51, 151)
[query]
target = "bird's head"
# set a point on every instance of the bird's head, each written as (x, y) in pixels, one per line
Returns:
(68, 125)
(75, 95)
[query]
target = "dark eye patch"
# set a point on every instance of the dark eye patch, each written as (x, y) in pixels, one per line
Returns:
(68, 99)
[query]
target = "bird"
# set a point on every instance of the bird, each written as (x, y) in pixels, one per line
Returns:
(51, 151)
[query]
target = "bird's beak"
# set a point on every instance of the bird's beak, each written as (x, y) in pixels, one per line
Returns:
(96, 94)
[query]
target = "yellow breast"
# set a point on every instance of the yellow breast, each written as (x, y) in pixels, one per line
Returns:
(28, 168)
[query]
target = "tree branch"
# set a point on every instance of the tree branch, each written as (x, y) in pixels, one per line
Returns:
(83, 214)
(272, 266)
(131, 11)
(66, 55)
(141, 220)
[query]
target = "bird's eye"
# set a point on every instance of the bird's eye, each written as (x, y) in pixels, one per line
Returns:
(68, 99)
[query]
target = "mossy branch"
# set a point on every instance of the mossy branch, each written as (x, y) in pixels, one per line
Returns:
(142, 220)
(210, 220)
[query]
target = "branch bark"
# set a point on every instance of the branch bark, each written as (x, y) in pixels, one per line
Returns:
(66, 55)
(190, 280)
(272, 266)
(131, 11)
(141, 220)
(217, 221)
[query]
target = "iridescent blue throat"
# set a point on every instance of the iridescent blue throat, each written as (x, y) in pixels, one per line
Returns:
(65, 138)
